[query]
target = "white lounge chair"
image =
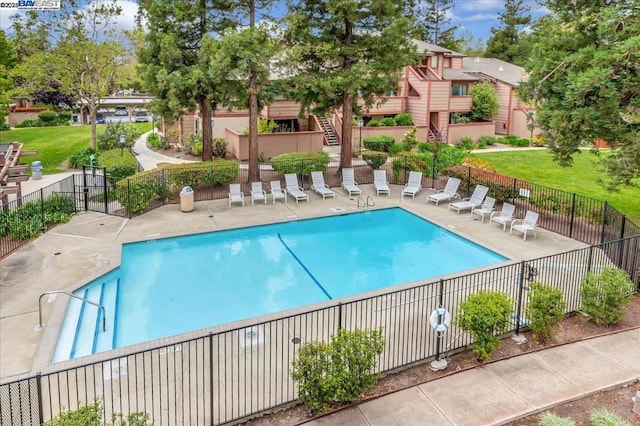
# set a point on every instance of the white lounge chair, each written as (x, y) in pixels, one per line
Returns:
(257, 193)
(529, 223)
(485, 208)
(413, 186)
(449, 192)
(504, 216)
(472, 202)
(318, 185)
(349, 182)
(380, 182)
(276, 191)
(235, 194)
(293, 189)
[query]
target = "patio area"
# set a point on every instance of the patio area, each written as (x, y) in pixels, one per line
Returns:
(75, 253)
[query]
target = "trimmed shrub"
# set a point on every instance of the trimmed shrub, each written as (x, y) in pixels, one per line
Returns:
(605, 417)
(216, 172)
(29, 123)
(378, 143)
(404, 119)
(488, 140)
(338, 371)
(373, 123)
(375, 159)
(550, 419)
(64, 117)
(300, 162)
(396, 149)
(484, 316)
(48, 118)
(514, 140)
(135, 193)
(82, 158)
(545, 309)
(606, 296)
(219, 147)
(484, 102)
(388, 122)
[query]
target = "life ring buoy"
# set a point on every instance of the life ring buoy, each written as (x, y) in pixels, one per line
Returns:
(440, 325)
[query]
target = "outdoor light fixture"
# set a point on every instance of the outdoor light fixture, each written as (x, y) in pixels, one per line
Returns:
(360, 124)
(122, 143)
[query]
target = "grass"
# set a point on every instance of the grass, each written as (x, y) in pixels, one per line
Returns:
(582, 178)
(55, 144)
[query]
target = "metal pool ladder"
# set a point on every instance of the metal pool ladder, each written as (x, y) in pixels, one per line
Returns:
(362, 204)
(99, 306)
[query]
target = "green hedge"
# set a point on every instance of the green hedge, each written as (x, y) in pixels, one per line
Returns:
(118, 166)
(300, 162)
(375, 159)
(25, 222)
(404, 119)
(378, 143)
(216, 172)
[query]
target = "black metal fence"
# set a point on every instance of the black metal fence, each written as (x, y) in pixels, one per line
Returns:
(218, 378)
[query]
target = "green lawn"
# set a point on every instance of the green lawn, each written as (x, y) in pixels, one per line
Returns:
(582, 178)
(55, 144)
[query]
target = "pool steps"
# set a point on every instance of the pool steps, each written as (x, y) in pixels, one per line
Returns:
(81, 332)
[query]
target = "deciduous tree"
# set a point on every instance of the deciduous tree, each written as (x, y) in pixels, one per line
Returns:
(586, 84)
(344, 50)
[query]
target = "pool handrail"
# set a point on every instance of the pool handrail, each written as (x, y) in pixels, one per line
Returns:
(99, 306)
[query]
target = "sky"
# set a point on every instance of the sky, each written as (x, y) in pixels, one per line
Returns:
(476, 16)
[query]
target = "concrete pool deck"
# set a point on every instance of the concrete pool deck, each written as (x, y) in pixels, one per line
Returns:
(72, 254)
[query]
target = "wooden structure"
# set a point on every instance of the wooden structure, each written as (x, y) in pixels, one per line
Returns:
(12, 173)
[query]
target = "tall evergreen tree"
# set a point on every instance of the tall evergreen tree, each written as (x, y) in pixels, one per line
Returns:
(340, 50)
(508, 42)
(585, 81)
(434, 24)
(172, 66)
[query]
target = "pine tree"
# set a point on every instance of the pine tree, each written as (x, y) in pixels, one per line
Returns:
(342, 50)
(433, 24)
(508, 42)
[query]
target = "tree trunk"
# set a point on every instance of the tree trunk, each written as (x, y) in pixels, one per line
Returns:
(347, 127)
(254, 173)
(92, 117)
(207, 137)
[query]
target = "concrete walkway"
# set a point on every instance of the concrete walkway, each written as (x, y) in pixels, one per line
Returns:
(503, 391)
(149, 159)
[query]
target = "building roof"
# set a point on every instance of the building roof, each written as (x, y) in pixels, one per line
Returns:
(451, 74)
(424, 47)
(495, 68)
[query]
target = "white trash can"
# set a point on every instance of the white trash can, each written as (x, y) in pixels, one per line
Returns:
(186, 199)
(36, 170)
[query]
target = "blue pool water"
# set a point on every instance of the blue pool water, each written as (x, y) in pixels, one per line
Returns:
(175, 285)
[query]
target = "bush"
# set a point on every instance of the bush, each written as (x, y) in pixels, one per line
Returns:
(374, 159)
(395, 149)
(216, 172)
(388, 122)
(29, 123)
(411, 161)
(157, 141)
(488, 140)
(48, 118)
(479, 163)
(135, 193)
(605, 417)
(373, 123)
(466, 143)
(338, 371)
(545, 308)
(404, 119)
(300, 162)
(266, 126)
(457, 118)
(605, 296)
(378, 143)
(64, 117)
(549, 419)
(409, 139)
(82, 158)
(25, 222)
(484, 102)
(483, 316)
(110, 138)
(193, 145)
(514, 141)
(92, 414)
(4, 126)
(118, 166)
(219, 147)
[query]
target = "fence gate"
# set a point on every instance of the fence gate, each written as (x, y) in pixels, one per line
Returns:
(92, 190)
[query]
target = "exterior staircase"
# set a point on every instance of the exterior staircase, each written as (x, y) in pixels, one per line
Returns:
(435, 135)
(330, 137)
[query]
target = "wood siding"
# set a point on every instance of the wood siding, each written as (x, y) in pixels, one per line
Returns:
(281, 108)
(439, 96)
(417, 108)
(460, 103)
(387, 106)
(501, 119)
(456, 63)
(273, 144)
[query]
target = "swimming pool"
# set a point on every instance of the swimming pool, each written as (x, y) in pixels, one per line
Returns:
(176, 285)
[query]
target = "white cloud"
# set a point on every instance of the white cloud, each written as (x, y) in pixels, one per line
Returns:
(480, 17)
(479, 5)
(5, 14)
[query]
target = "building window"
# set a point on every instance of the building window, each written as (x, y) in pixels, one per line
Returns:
(434, 62)
(458, 90)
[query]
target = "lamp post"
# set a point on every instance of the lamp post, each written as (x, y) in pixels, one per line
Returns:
(122, 142)
(360, 124)
(532, 124)
(153, 125)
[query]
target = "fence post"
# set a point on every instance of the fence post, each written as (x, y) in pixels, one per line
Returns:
(164, 187)
(605, 208)
(85, 188)
(129, 198)
(104, 188)
(468, 179)
(513, 193)
(573, 211)
(211, 398)
(438, 336)
(39, 393)
(520, 292)
(590, 258)
(339, 315)
(42, 215)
